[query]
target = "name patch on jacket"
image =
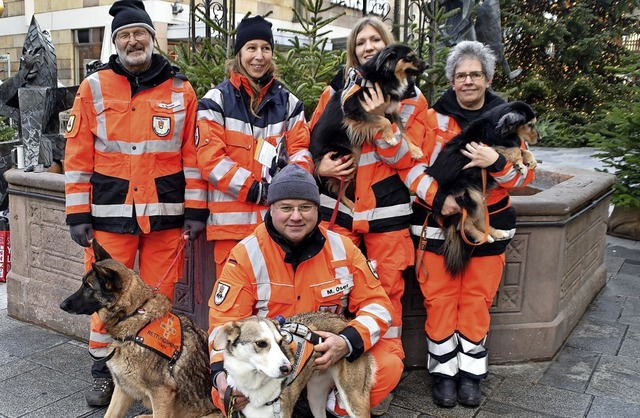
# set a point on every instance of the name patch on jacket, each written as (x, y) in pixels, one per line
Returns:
(163, 336)
(334, 290)
(161, 125)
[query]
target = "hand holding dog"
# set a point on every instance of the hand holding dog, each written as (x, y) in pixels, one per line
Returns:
(375, 103)
(333, 348)
(480, 155)
(239, 402)
(337, 168)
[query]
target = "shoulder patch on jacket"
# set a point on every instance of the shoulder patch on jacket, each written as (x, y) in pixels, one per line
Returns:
(73, 125)
(221, 293)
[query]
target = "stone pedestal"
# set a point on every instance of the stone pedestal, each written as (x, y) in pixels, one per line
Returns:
(554, 269)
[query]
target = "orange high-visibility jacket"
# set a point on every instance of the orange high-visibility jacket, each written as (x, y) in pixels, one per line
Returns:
(256, 281)
(441, 128)
(382, 201)
(130, 162)
(230, 137)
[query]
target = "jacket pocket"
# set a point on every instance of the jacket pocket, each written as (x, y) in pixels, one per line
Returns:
(390, 192)
(171, 188)
(107, 190)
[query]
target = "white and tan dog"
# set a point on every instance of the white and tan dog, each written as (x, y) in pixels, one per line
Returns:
(264, 362)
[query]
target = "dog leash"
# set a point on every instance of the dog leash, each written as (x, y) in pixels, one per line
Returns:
(334, 214)
(181, 245)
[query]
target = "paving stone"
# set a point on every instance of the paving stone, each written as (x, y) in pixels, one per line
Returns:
(493, 409)
(616, 377)
(613, 264)
(7, 323)
(530, 372)
(36, 389)
(571, 369)
(598, 336)
(24, 340)
(631, 343)
(631, 267)
(15, 367)
(71, 406)
(65, 358)
(623, 285)
(631, 311)
(606, 307)
(541, 399)
(607, 408)
(620, 251)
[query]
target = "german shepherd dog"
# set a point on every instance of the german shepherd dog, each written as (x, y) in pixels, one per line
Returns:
(504, 128)
(177, 384)
(344, 126)
(261, 362)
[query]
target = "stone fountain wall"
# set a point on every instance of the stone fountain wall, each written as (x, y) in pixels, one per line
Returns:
(555, 265)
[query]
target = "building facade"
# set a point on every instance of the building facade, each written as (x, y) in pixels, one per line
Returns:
(80, 29)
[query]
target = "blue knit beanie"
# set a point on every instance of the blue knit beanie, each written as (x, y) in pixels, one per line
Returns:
(293, 182)
(251, 28)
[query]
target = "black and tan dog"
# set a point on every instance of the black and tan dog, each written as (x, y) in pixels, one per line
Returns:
(156, 357)
(505, 128)
(345, 125)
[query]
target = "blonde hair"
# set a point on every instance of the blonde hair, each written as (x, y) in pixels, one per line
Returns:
(236, 65)
(378, 25)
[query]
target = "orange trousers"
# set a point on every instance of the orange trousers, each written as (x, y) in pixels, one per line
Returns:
(158, 260)
(459, 303)
(392, 252)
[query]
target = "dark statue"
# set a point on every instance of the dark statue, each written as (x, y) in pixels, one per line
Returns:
(486, 28)
(33, 99)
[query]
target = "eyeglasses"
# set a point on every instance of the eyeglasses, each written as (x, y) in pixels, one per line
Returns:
(462, 77)
(301, 208)
(137, 35)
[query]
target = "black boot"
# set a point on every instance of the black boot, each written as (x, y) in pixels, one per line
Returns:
(469, 391)
(444, 391)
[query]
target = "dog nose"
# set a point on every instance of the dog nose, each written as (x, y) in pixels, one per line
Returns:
(285, 369)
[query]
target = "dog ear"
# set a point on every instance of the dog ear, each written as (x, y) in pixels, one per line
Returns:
(509, 123)
(108, 278)
(384, 62)
(99, 252)
(229, 333)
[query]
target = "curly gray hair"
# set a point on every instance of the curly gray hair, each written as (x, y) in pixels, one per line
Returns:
(471, 49)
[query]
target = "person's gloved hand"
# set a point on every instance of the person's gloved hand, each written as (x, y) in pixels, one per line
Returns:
(258, 192)
(263, 194)
(81, 234)
(193, 227)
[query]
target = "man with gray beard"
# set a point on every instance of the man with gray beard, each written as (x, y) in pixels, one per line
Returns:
(131, 178)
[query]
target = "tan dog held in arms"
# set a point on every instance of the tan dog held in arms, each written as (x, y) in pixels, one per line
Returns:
(170, 376)
(260, 363)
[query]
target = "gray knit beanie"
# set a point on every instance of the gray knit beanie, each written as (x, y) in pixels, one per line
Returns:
(293, 182)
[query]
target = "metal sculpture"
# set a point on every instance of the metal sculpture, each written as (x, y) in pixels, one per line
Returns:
(33, 99)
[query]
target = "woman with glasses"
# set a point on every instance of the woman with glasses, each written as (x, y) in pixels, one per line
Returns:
(458, 307)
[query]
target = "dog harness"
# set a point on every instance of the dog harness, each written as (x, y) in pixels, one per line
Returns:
(354, 82)
(301, 339)
(163, 336)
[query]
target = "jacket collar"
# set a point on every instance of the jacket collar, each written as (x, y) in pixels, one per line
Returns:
(294, 255)
(448, 105)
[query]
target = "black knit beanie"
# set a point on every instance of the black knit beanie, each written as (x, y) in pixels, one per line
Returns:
(293, 182)
(129, 13)
(251, 28)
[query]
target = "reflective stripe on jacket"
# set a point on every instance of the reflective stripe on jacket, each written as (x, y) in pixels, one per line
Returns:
(255, 281)
(228, 138)
(130, 161)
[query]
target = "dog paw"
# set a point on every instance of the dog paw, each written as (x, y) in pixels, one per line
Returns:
(392, 141)
(520, 168)
(416, 153)
(499, 235)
